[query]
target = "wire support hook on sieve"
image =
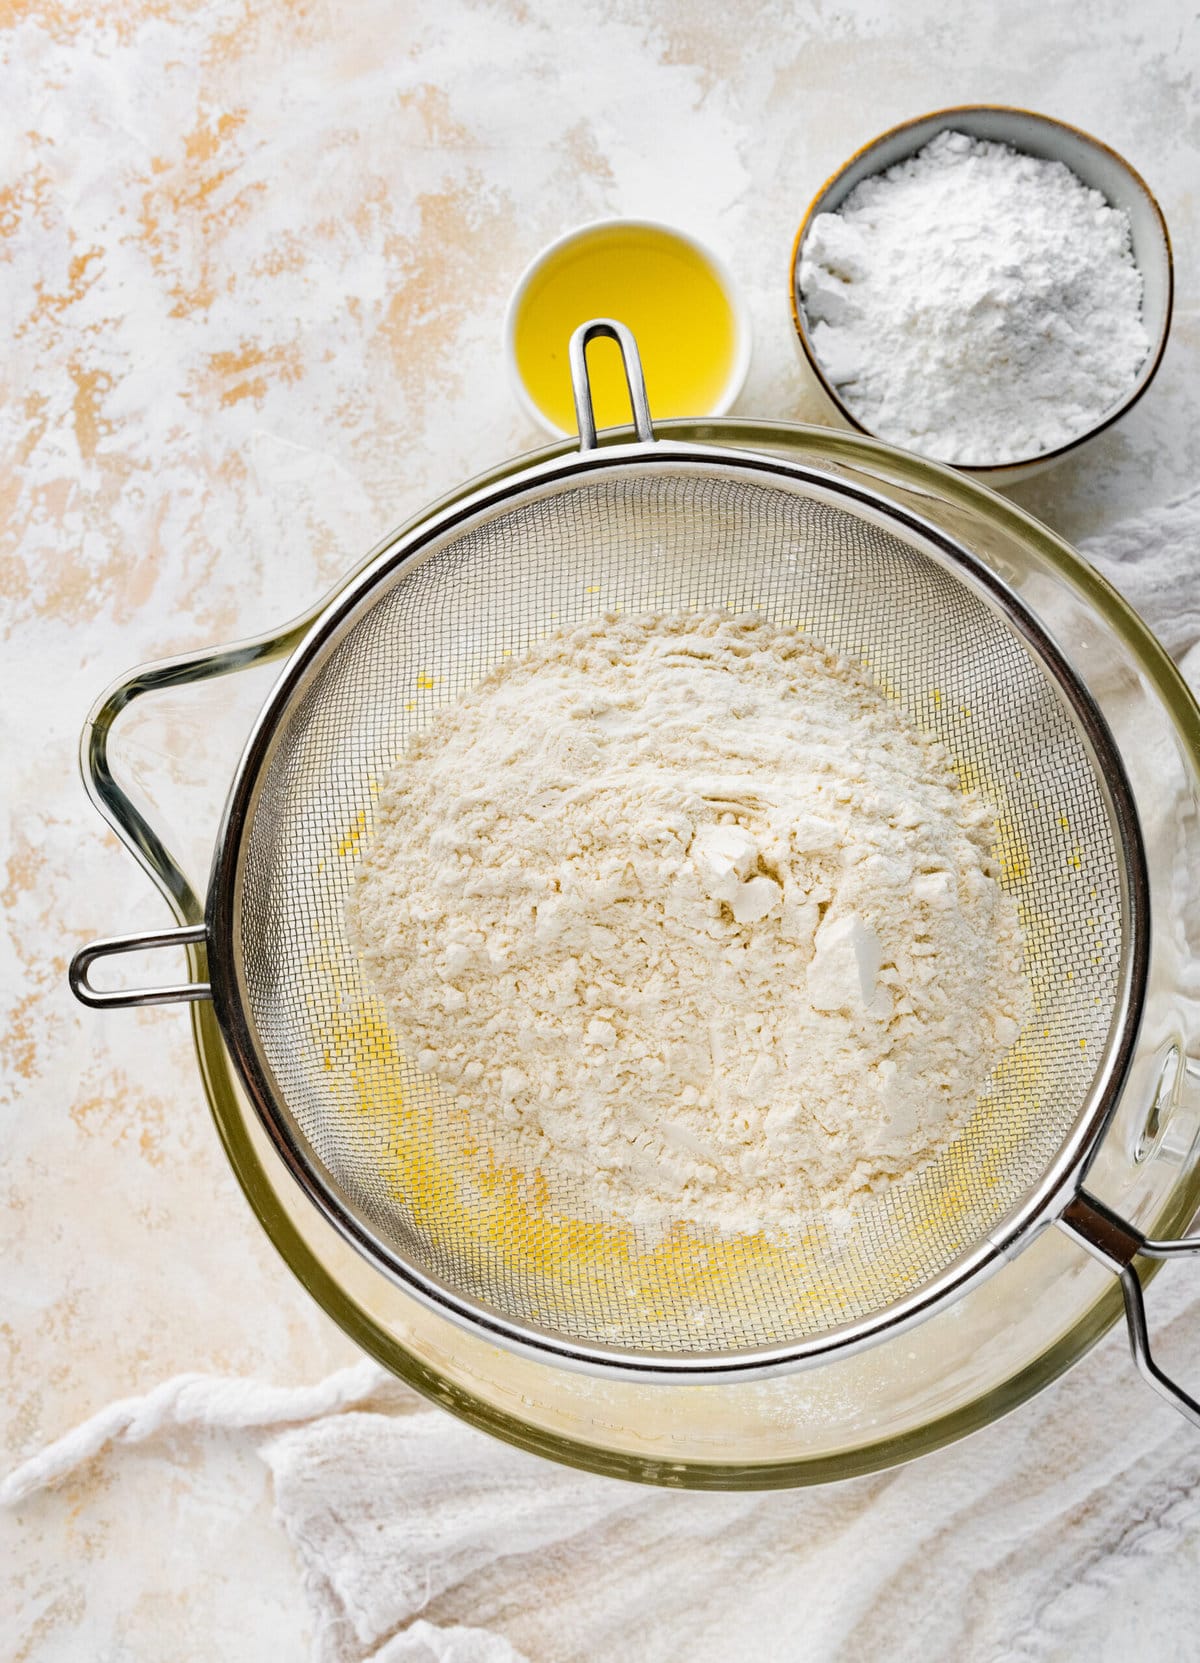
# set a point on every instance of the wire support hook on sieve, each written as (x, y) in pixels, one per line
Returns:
(1116, 1244)
(631, 361)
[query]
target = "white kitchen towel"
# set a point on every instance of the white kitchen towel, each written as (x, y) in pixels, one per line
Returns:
(423, 1541)
(990, 1549)
(1154, 560)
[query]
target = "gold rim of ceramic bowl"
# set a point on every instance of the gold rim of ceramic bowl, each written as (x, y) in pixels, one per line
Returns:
(1153, 359)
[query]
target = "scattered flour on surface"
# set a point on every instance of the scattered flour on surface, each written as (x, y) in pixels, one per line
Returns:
(686, 914)
(975, 304)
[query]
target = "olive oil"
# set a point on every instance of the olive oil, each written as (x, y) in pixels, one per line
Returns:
(663, 287)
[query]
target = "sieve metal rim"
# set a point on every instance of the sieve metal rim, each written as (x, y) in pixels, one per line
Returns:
(1041, 1205)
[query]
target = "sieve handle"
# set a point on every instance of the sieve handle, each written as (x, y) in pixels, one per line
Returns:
(1116, 1243)
(631, 361)
(123, 998)
(133, 824)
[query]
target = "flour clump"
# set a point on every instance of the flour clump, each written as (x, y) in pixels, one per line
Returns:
(690, 919)
(975, 304)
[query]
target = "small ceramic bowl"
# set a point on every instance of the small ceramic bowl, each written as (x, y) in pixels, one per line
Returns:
(1034, 135)
(603, 229)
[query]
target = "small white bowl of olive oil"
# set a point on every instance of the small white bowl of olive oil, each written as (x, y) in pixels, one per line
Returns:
(676, 296)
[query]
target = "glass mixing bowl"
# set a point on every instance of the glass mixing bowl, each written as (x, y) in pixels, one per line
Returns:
(1003, 1340)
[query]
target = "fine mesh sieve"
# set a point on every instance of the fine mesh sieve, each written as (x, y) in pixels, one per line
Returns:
(677, 533)
(405, 1172)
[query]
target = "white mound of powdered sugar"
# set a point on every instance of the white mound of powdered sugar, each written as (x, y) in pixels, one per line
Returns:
(686, 914)
(975, 304)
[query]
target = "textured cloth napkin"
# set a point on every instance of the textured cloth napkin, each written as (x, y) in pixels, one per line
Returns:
(424, 1541)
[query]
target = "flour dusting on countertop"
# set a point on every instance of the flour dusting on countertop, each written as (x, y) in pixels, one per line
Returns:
(684, 911)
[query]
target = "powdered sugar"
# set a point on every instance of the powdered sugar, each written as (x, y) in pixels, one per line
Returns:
(685, 912)
(975, 304)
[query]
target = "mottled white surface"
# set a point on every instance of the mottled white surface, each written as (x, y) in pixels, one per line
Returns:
(255, 260)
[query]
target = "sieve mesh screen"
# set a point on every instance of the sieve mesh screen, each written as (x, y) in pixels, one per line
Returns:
(641, 538)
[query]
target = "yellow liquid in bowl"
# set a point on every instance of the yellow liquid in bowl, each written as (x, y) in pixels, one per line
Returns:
(667, 293)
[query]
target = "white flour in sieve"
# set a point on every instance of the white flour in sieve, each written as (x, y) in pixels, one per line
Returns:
(975, 304)
(689, 917)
